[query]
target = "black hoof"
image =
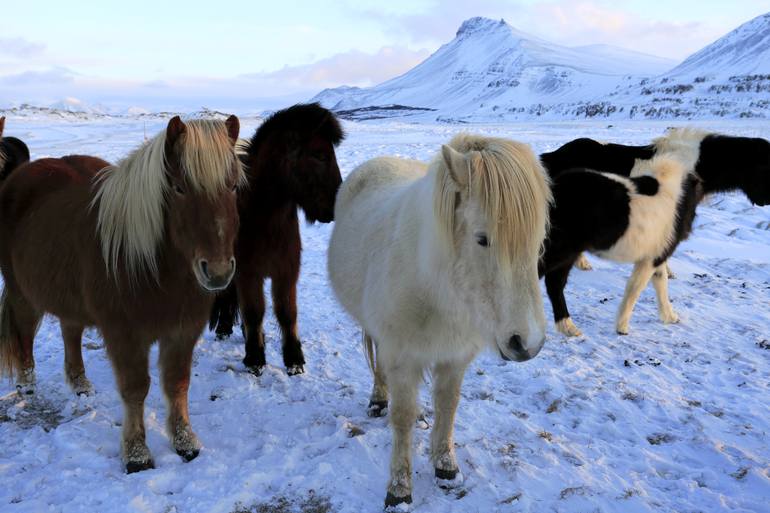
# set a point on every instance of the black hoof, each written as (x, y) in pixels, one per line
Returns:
(446, 475)
(295, 369)
(221, 335)
(255, 364)
(292, 355)
(138, 466)
(377, 408)
(391, 500)
(189, 455)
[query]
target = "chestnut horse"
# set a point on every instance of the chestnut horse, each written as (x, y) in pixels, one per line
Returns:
(136, 250)
(13, 152)
(289, 162)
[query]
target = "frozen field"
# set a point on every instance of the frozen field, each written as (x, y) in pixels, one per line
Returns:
(668, 418)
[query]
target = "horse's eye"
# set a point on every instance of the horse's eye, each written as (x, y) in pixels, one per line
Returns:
(482, 240)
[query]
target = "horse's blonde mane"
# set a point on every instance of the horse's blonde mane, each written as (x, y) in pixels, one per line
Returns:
(2, 157)
(131, 195)
(513, 189)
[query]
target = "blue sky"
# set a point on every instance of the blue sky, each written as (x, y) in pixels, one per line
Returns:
(237, 53)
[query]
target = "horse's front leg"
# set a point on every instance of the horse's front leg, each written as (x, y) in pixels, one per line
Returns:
(252, 303)
(175, 362)
(404, 379)
(447, 380)
(555, 282)
(129, 358)
(636, 283)
(284, 289)
(378, 401)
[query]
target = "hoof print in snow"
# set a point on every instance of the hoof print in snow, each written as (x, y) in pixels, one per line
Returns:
(765, 344)
(138, 466)
(740, 473)
(377, 408)
(660, 438)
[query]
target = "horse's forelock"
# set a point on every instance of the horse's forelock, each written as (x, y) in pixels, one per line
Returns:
(207, 156)
(513, 189)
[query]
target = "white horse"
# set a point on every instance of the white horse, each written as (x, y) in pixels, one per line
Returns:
(437, 262)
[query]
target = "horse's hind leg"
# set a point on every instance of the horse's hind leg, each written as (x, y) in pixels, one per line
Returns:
(660, 282)
(18, 324)
(285, 304)
(252, 302)
(130, 362)
(378, 401)
(224, 312)
(639, 278)
(447, 380)
(404, 381)
(176, 362)
(73, 359)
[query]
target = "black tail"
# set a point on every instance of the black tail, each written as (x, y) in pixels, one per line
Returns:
(224, 313)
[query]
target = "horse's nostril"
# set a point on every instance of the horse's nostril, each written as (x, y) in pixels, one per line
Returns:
(232, 263)
(204, 265)
(515, 343)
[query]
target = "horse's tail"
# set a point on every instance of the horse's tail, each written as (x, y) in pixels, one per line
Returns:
(224, 312)
(369, 351)
(10, 339)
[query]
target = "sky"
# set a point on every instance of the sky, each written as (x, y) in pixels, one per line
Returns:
(249, 54)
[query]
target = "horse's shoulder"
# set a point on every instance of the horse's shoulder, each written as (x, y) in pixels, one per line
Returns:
(379, 172)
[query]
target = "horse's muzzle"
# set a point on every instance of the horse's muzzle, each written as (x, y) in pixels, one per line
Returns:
(214, 276)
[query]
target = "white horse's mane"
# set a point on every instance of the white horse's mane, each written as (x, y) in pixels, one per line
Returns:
(512, 186)
(130, 196)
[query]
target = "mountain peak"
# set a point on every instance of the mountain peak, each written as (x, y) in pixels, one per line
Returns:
(479, 24)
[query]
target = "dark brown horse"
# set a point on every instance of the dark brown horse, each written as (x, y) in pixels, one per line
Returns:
(289, 162)
(13, 152)
(136, 250)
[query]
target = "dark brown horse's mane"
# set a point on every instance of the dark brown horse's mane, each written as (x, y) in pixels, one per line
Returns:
(305, 119)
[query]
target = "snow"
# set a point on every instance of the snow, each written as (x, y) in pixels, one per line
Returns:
(668, 418)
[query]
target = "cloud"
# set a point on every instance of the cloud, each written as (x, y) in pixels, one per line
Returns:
(20, 48)
(45, 78)
(350, 68)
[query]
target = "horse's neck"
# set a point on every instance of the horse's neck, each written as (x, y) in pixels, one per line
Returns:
(724, 163)
(267, 191)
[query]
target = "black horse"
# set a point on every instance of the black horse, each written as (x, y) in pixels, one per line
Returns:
(290, 162)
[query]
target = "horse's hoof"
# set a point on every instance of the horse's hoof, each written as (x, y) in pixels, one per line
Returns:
(447, 475)
(567, 328)
(583, 264)
(255, 369)
(448, 479)
(138, 466)
(392, 502)
(377, 408)
(223, 336)
(81, 385)
(189, 454)
(295, 369)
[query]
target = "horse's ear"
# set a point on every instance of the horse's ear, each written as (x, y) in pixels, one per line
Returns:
(176, 128)
(2, 125)
(457, 165)
(233, 128)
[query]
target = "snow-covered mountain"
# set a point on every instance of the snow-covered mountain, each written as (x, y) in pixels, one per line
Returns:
(492, 71)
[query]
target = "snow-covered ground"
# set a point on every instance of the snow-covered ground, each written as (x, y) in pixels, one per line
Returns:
(668, 418)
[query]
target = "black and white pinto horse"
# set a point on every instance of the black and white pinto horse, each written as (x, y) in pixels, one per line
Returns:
(596, 214)
(13, 152)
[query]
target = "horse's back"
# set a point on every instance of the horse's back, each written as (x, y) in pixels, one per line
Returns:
(378, 175)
